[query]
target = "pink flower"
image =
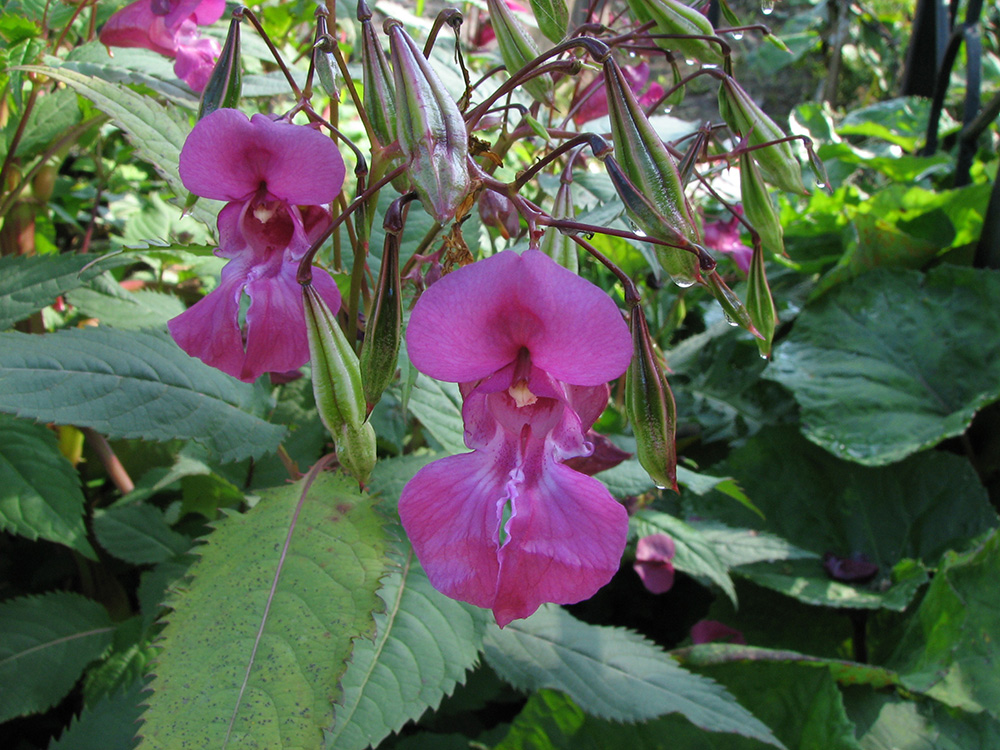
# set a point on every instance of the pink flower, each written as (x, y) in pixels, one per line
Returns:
(724, 237)
(170, 27)
(277, 179)
(509, 526)
(652, 562)
(712, 631)
(594, 99)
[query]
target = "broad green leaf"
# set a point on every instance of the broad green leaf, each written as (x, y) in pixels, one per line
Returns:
(915, 510)
(127, 662)
(158, 132)
(260, 636)
(552, 17)
(128, 66)
(45, 642)
(612, 673)
(438, 406)
(105, 299)
(951, 650)
(138, 534)
(894, 362)
(902, 121)
(693, 554)
(110, 724)
(53, 114)
(40, 493)
(132, 384)
(744, 546)
(423, 646)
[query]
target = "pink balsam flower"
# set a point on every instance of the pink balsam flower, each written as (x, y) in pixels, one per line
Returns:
(594, 99)
(278, 179)
(724, 237)
(509, 526)
(170, 27)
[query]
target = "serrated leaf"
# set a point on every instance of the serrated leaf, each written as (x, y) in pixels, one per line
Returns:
(438, 406)
(138, 534)
(132, 384)
(879, 376)
(104, 299)
(40, 493)
(158, 132)
(259, 637)
(744, 546)
(53, 115)
(45, 642)
(110, 724)
(425, 642)
(612, 673)
(126, 663)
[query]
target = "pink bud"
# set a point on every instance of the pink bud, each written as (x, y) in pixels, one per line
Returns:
(652, 562)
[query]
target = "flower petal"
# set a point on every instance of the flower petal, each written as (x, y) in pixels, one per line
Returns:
(135, 25)
(195, 61)
(476, 320)
(227, 157)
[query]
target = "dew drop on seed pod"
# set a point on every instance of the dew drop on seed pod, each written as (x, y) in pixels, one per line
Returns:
(730, 321)
(767, 7)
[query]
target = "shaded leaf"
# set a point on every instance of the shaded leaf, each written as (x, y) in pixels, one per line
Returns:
(131, 384)
(138, 534)
(104, 299)
(438, 406)
(552, 17)
(110, 724)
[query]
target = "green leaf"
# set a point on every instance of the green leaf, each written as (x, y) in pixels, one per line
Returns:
(425, 643)
(53, 115)
(260, 636)
(612, 673)
(438, 406)
(693, 554)
(40, 493)
(132, 384)
(951, 650)
(127, 662)
(158, 132)
(104, 299)
(552, 17)
(902, 121)
(138, 534)
(45, 642)
(880, 376)
(110, 724)
(744, 546)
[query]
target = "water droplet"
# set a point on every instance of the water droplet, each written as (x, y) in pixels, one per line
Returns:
(660, 486)
(767, 7)
(682, 281)
(737, 35)
(731, 322)
(689, 61)
(764, 357)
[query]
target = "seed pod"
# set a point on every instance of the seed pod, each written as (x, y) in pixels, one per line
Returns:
(555, 244)
(517, 49)
(379, 92)
(760, 304)
(650, 407)
(430, 129)
(655, 201)
(324, 61)
(736, 312)
(337, 387)
(383, 331)
(676, 18)
(496, 210)
(757, 206)
(746, 118)
(225, 84)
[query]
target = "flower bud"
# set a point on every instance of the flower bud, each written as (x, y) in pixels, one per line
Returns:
(337, 387)
(653, 194)
(225, 84)
(757, 206)
(430, 129)
(676, 18)
(760, 304)
(517, 49)
(745, 117)
(498, 211)
(649, 405)
(555, 244)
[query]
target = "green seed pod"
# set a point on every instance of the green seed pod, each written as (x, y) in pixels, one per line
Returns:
(650, 407)
(379, 91)
(555, 244)
(383, 331)
(746, 118)
(430, 129)
(760, 304)
(324, 61)
(736, 312)
(757, 206)
(337, 387)
(646, 164)
(517, 49)
(225, 85)
(676, 18)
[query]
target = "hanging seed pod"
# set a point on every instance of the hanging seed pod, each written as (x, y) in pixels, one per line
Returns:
(225, 84)
(760, 304)
(379, 91)
(555, 244)
(758, 208)
(323, 59)
(650, 407)
(337, 387)
(517, 49)
(747, 119)
(676, 18)
(430, 129)
(736, 312)
(653, 194)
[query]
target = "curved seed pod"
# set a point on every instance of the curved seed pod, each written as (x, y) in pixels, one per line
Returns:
(555, 244)
(647, 164)
(430, 129)
(517, 49)
(757, 206)
(337, 386)
(760, 304)
(225, 84)
(650, 407)
(672, 17)
(745, 117)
